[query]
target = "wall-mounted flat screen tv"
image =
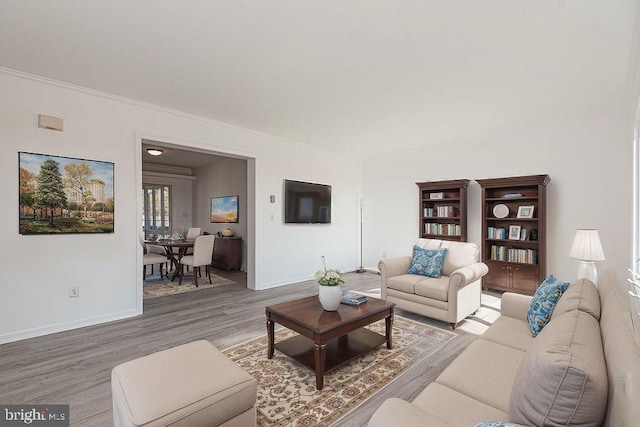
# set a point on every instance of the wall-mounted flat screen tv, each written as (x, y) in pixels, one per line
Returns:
(306, 203)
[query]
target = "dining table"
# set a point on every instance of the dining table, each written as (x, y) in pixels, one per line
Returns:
(169, 244)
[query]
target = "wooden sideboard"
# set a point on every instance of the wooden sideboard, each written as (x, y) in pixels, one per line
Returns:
(227, 253)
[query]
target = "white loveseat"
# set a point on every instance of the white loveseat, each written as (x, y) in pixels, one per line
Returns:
(451, 297)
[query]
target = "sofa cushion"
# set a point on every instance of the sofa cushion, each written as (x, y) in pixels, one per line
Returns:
(510, 332)
(417, 304)
(460, 254)
(427, 262)
(455, 407)
(404, 282)
(429, 243)
(581, 295)
(398, 412)
(433, 288)
(562, 379)
(543, 302)
(473, 373)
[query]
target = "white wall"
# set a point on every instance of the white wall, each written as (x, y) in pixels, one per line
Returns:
(296, 247)
(589, 162)
(224, 177)
(38, 270)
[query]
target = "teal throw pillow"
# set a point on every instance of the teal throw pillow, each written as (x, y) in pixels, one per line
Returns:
(427, 262)
(543, 303)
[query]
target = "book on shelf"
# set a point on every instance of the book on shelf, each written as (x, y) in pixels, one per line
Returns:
(352, 298)
(442, 229)
(509, 254)
(498, 233)
(441, 212)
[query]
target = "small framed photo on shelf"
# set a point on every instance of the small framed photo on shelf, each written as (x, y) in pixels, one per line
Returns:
(436, 196)
(525, 211)
(514, 232)
(523, 234)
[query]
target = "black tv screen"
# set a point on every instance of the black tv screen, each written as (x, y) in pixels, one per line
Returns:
(306, 202)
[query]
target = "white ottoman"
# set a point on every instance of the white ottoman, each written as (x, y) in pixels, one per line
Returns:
(189, 385)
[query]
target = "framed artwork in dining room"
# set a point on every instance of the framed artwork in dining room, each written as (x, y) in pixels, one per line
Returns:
(224, 209)
(64, 195)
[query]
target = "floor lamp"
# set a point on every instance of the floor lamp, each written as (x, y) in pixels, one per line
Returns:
(361, 268)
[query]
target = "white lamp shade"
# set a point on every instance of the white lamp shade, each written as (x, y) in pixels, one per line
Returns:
(587, 246)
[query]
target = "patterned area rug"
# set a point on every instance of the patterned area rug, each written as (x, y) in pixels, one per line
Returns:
(287, 394)
(154, 287)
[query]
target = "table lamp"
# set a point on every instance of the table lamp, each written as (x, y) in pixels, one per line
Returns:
(588, 249)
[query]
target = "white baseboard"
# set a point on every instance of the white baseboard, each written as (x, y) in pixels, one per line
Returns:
(66, 326)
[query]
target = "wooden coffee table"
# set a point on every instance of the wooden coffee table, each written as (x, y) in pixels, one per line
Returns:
(328, 338)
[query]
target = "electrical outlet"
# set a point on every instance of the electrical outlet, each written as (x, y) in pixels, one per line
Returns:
(74, 291)
(384, 254)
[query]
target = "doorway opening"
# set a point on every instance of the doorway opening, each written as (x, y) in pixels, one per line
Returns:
(184, 179)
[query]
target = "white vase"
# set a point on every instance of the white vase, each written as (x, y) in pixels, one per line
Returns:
(330, 297)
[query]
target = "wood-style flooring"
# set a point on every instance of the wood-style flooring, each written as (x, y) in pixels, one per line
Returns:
(74, 367)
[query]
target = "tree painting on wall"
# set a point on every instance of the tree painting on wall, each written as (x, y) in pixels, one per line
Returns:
(64, 195)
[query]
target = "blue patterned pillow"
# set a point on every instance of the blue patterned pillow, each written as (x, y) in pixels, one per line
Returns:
(543, 303)
(427, 262)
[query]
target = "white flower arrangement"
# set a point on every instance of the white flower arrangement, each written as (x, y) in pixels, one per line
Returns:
(328, 277)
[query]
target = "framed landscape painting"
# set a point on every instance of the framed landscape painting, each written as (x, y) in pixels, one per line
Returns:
(61, 195)
(224, 209)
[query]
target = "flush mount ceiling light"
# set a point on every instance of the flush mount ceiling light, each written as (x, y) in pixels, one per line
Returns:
(154, 151)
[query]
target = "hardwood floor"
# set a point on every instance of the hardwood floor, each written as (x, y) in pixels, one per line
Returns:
(74, 367)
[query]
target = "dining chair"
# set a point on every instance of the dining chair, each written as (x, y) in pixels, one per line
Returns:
(157, 249)
(202, 252)
(192, 233)
(151, 259)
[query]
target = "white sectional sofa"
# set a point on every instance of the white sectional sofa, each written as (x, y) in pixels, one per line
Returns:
(582, 369)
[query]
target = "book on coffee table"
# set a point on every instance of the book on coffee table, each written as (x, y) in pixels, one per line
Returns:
(351, 298)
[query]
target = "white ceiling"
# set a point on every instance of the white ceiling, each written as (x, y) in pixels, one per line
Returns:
(370, 76)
